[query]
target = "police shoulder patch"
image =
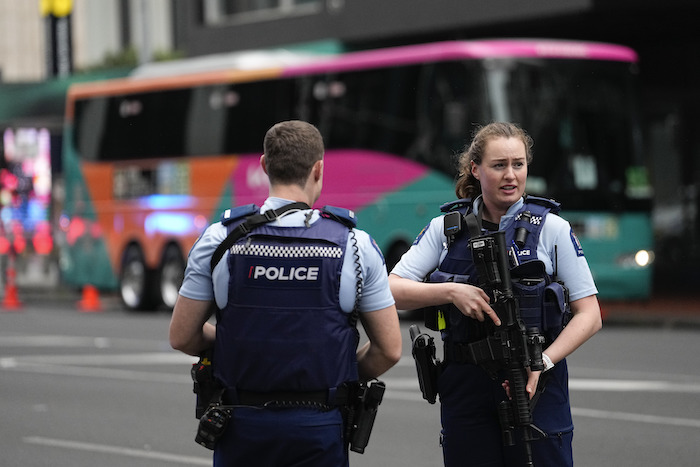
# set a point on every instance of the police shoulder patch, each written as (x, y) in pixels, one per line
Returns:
(420, 234)
(378, 250)
(577, 244)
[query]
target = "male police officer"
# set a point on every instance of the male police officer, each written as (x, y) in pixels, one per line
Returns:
(288, 292)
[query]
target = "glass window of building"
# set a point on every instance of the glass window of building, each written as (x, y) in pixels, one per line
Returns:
(223, 11)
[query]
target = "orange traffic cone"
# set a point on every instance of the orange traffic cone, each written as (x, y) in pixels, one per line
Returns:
(11, 300)
(91, 299)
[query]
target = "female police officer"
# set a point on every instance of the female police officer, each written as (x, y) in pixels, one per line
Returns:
(284, 342)
(496, 164)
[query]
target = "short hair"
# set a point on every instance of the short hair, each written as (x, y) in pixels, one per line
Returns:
(291, 149)
(467, 185)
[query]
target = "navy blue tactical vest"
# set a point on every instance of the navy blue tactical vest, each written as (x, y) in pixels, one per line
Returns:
(283, 328)
(541, 300)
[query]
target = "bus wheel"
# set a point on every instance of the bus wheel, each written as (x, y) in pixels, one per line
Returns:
(135, 281)
(172, 271)
(393, 255)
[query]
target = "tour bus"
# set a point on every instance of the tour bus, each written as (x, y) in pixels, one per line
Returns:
(150, 160)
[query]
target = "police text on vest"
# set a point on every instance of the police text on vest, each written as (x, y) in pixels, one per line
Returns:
(273, 273)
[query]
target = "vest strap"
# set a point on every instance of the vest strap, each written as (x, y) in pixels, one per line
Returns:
(250, 223)
(474, 224)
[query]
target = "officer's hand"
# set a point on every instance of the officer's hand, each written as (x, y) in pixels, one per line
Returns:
(533, 378)
(474, 303)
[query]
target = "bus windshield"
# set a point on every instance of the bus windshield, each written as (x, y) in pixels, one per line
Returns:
(582, 117)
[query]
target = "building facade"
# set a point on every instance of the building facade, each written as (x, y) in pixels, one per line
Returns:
(98, 30)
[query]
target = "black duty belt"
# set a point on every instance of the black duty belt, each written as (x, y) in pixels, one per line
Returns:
(329, 398)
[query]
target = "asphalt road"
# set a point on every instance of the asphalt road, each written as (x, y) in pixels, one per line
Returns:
(104, 388)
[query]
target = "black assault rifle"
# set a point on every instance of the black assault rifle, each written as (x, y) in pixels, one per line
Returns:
(512, 347)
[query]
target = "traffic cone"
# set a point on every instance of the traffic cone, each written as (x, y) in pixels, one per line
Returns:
(91, 299)
(11, 300)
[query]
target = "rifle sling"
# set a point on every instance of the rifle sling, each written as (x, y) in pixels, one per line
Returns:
(250, 223)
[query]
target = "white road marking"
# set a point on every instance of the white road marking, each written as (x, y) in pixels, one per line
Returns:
(69, 341)
(106, 373)
(632, 386)
(143, 358)
(117, 450)
(189, 460)
(54, 341)
(97, 366)
(635, 417)
(398, 388)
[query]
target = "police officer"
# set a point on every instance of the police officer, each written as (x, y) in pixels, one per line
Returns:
(288, 293)
(493, 173)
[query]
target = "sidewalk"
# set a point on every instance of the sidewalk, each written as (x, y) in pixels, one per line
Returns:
(663, 310)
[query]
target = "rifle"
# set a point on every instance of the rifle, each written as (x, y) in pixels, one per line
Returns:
(519, 348)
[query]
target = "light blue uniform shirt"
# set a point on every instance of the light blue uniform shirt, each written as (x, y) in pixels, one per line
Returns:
(376, 295)
(430, 248)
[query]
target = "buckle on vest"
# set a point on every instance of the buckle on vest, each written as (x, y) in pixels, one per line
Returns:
(270, 215)
(243, 228)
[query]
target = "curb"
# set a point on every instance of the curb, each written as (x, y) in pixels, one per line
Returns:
(660, 311)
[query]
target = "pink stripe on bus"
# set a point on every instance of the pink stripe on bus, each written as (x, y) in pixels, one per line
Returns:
(456, 50)
(357, 178)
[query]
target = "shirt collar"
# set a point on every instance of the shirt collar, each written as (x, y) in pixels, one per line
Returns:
(507, 219)
(274, 202)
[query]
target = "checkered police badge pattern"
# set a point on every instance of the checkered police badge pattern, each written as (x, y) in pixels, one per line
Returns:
(279, 251)
(535, 220)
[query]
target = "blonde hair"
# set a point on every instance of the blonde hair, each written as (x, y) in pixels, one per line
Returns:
(467, 186)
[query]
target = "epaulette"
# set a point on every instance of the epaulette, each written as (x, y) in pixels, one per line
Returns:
(452, 205)
(342, 215)
(239, 212)
(553, 205)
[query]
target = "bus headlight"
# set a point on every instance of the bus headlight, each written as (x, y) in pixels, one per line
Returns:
(640, 259)
(643, 258)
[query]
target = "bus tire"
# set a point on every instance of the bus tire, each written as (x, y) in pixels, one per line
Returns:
(393, 255)
(172, 271)
(136, 283)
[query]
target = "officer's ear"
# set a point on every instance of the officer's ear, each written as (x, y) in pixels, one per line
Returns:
(474, 168)
(317, 170)
(262, 163)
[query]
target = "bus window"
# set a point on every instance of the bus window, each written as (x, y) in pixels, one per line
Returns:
(370, 109)
(259, 106)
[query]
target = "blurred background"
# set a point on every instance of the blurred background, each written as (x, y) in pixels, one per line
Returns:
(96, 199)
